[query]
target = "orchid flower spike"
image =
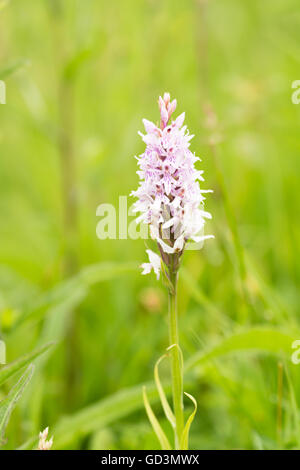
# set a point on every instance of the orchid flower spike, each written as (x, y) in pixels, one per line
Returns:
(169, 198)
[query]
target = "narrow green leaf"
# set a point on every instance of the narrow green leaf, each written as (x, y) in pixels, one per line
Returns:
(165, 404)
(293, 402)
(7, 404)
(184, 441)
(163, 440)
(261, 339)
(10, 369)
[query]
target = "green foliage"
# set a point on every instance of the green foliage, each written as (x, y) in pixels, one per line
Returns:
(164, 401)
(163, 440)
(76, 287)
(184, 443)
(261, 339)
(98, 415)
(8, 404)
(10, 369)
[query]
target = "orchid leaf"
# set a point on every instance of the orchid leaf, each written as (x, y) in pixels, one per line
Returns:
(164, 442)
(165, 404)
(184, 441)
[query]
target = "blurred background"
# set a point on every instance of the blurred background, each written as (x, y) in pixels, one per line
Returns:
(80, 76)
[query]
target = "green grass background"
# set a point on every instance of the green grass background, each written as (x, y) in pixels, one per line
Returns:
(80, 77)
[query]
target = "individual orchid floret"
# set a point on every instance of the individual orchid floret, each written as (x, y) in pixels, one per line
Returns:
(154, 263)
(166, 108)
(169, 198)
(43, 443)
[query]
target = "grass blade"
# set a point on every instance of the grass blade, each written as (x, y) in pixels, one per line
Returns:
(165, 404)
(184, 441)
(294, 403)
(7, 405)
(269, 340)
(10, 369)
(163, 440)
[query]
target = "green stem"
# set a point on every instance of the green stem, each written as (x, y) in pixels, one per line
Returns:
(176, 361)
